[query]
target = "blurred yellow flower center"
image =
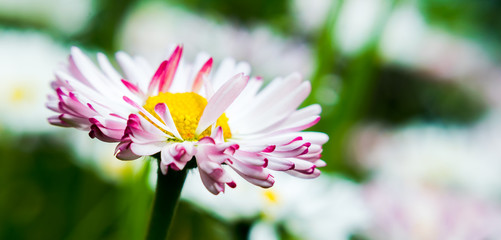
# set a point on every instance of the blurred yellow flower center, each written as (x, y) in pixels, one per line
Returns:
(270, 196)
(20, 94)
(186, 110)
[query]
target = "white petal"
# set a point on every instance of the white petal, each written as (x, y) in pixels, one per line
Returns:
(276, 109)
(132, 72)
(221, 100)
(107, 68)
(262, 230)
(147, 149)
(163, 111)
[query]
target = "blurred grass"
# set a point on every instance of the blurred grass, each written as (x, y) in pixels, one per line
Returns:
(403, 96)
(475, 20)
(44, 195)
(357, 80)
(244, 12)
(105, 24)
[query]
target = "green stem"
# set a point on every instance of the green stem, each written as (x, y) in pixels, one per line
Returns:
(167, 193)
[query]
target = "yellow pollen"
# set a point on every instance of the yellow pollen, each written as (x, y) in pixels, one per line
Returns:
(186, 110)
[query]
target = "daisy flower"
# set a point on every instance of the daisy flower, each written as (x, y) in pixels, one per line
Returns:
(21, 91)
(181, 112)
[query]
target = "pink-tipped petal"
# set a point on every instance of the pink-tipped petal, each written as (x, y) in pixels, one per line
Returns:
(123, 152)
(170, 69)
(157, 77)
(163, 111)
(220, 101)
(147, 114)
(201, 76)
(133, 88)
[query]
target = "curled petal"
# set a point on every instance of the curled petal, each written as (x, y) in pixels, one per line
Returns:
(176, 156)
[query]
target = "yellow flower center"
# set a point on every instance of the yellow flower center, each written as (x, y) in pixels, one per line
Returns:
(186, 110)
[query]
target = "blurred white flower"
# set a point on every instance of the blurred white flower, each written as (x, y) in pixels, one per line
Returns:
(400, 211)
(150, 26)
(67, 16)
(310, 15)
(409, 41)
(358, 23)
(323, 208)
(433, 156)
(263, 231)
(27, 60)
(100, 158)
(228, 205)
(402, 37)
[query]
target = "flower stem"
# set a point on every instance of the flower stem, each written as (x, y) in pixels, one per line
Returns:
(167, 193)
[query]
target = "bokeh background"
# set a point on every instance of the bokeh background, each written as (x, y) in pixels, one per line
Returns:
(411, 97)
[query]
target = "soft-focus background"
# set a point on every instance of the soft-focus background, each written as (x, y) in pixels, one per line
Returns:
(411, 97)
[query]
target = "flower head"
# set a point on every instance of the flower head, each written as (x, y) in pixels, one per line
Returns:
(183, 111)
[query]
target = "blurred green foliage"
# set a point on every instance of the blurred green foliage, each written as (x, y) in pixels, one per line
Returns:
(44, 195)
(477, 20)
(402, 96)
(102, 30)
(44, 192)
(245, 12)
(193, 223)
